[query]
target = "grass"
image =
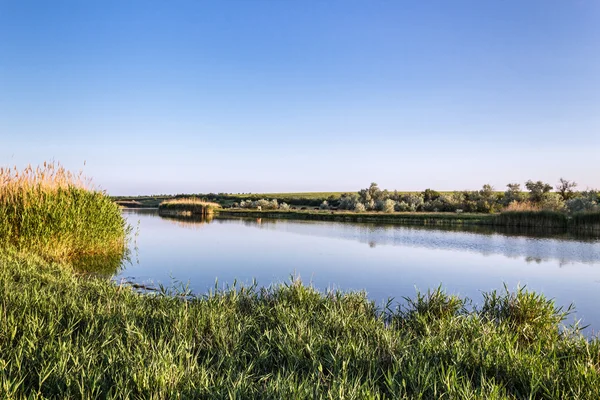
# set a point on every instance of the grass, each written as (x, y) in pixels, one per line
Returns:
(58, 215)
(187, 206)
(68, 336)
(424, 218)
(587, 220)
(538, 219)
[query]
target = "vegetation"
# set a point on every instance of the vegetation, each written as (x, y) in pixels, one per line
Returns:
(187, 207)
(353, 216)
(538, 219)
(69, 335)
(99, 339)
(58, 215)
(487, 200)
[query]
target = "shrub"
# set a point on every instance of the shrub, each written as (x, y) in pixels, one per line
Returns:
(585, 202)
(359, 207)
(324, 205)
(402, 206)
(388, 206)
(552, 202)
(348, 201)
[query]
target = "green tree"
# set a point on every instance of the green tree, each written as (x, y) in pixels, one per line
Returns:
(565, 189)
(430, 195)
(537, 190)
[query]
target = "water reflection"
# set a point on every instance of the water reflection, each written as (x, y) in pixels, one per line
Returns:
(384, 260)
(105, 265)
(190, 222)
(533, 245)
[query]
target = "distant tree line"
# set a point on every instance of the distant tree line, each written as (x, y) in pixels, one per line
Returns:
(536, 196)
(539, 196)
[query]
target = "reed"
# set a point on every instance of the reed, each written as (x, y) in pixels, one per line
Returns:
(588, 221)
(187, 207)
(102, 340)
(537, 219)
(57, 214)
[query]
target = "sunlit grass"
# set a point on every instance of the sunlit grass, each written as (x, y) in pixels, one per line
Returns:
(99, 339)
(194, 201)
(57, 214)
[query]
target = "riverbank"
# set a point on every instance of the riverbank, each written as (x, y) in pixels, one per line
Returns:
(99, 338)
(349, 216)
(588, 222)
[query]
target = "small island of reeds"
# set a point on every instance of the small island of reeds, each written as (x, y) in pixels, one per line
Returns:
(187, 207)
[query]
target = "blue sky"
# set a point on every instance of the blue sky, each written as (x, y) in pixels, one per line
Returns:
(255, 96)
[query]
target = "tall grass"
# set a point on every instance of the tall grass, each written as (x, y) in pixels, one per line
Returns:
(57, 214)
(101, 340)
(586, 221)
(538, 219)
(187, 206)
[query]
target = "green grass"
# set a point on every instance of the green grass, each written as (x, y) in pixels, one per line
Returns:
(425, 218)
(587, 221)
(68, 336)
(539, 219)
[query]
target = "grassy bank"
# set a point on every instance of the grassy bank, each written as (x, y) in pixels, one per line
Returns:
(511, 219)
(348, 216)
(97, 339)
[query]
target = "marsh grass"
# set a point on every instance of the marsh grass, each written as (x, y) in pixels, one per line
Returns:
(68, 336)
(538, 219)
(188, 206)
(586, 220)
(57, 214)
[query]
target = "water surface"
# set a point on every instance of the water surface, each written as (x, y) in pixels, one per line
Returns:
(384, 260)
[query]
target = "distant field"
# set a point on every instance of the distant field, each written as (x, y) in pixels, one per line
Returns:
(283, 196)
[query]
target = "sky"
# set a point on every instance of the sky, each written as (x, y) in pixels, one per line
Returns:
(159, 97)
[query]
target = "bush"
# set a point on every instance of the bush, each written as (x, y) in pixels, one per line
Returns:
(360, 207)
(348, 201)
(552, 202)
(586, 201)
(388, 206)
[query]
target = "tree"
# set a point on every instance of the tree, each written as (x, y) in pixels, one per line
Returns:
(388, 206)
(513, 193)
(565, 189)
(537, 190)
(430, 195)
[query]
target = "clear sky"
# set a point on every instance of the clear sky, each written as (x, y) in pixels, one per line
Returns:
(255, 96)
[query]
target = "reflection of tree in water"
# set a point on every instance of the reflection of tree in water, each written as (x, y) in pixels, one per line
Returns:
(533, 245)
(537, 260)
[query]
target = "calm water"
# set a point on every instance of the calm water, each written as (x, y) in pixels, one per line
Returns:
(385, 261)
